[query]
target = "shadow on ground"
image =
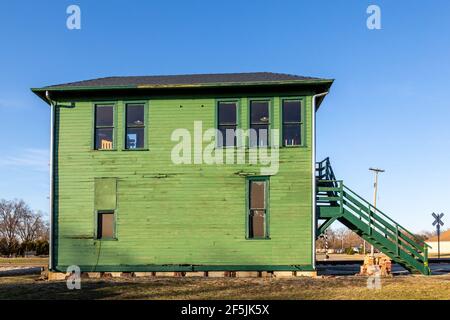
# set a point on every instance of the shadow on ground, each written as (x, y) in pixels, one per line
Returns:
(329, 287)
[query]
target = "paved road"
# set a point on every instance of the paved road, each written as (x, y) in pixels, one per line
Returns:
(17, 271)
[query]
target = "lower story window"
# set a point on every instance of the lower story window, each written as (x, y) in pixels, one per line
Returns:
(105, 225)
(257, 211)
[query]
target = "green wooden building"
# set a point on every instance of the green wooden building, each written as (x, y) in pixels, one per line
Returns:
(204, 172)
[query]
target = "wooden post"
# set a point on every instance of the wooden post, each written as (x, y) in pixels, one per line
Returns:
(376, 171)
(396, 240)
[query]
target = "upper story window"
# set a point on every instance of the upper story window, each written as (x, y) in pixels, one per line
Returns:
(292, 122)
(104, 127)
(227, 123)
(259, 123)
(135, 126)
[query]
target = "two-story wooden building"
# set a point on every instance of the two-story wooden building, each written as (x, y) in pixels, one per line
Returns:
(138, 183)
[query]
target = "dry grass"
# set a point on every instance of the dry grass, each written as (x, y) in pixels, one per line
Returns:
(6, 262)
(348, 287)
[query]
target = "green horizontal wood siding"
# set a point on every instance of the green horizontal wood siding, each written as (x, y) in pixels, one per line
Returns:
(105, 197)
(171, 214)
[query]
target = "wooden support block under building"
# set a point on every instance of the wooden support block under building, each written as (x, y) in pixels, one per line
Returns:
(164, 274)
(94, 275)
(283, 274)
(266, 274)
(216, 274)
(115, 274)
(310, 274)
(56, 276)
(229, 274)
(195, 274)
(143, 274)
(247, 274)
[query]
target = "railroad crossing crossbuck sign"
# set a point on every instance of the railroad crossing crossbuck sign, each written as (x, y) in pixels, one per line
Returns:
(438, 223)
(437, 220)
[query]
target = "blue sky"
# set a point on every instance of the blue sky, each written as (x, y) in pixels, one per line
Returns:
(389, 106)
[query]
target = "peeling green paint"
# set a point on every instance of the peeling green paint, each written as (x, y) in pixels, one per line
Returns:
(171, 214)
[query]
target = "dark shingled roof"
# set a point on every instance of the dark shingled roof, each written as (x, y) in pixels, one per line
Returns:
(186, 79)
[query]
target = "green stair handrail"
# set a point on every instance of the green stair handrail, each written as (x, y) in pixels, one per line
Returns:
(332, 192)
(331, 178)
(388, 228)
(386, 217)
(325, 165)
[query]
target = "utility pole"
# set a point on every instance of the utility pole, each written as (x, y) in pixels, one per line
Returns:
(375, 186)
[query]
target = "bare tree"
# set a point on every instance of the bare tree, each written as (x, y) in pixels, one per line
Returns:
(320, 242)
(340, 238)
(9, 223)
(20, 227)
(31, 224)
(44, 230)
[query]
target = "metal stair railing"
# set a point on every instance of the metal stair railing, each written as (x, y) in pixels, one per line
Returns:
(375, 217)
(324, 171)
(332, 192)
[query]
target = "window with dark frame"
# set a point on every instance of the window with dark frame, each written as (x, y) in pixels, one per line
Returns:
(104, 127)
(257, 210)
(292, 122)
(105, 204)
(259, 123)
(105, 225)
(227, 123)
(135, 126)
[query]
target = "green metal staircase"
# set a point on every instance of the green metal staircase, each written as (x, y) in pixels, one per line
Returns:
(337, 202)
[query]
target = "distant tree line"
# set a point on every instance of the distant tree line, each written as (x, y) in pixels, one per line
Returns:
(340, 239)
(344, 239)
(425, 235)
(22, 229)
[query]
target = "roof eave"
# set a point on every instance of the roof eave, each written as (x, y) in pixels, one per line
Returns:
(41, 91)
